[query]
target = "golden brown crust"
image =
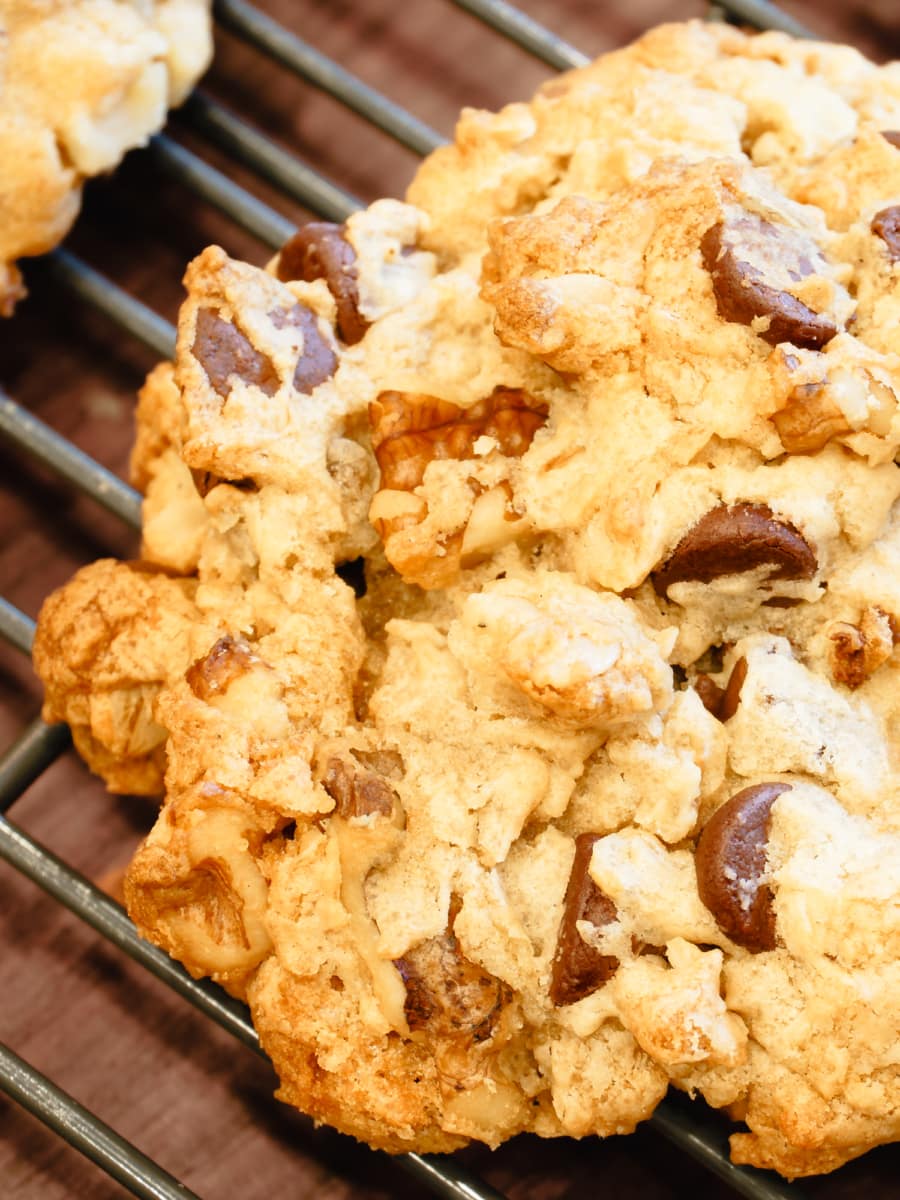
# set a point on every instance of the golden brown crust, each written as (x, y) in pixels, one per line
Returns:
(82, 82)
(617, 444)
(106, 644)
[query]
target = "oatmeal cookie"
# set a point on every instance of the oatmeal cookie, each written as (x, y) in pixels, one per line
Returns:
(522, 654)
(81, 82)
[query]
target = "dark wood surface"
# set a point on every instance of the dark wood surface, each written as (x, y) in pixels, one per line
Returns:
(159, 1073)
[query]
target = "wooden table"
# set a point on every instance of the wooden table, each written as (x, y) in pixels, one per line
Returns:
(159, 1073)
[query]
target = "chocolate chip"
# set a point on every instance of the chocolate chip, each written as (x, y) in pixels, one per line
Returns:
(735, 538)
(211, 676)
(356, 791)
(225, 353)
(886, 225)
(892, 136)
(709, 692)
(722, 702)
(743, 255)
(732, 697)
(730, 859)
(446, 993)
(320, 250)
(317, 361)
(579, 969)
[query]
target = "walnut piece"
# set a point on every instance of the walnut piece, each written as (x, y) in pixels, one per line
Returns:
(582, 656)
(228, 659)
(809, 420)
(195, 889)
(857, 651)
(409, 432)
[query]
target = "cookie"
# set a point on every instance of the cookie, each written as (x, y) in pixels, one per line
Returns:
(520, 649)
(81, 83)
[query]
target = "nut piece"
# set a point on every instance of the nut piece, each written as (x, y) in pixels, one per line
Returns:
(886, 225)
(410, 430)
(317, 361)
(732, 539)
(856, 652)
(446, 994)
(745, 257)
(357, 792)
(579, 969)
(809, 420)
(892, 136)
(585, 657)
(730, 859)
(229, 658)
(722, 702)
(196, 889)
(225, 353)
(320, 250)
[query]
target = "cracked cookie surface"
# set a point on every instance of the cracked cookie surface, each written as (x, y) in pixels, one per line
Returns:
(520, 652)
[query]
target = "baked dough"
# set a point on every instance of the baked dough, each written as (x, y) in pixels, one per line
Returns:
(81, 82)
(522, 638)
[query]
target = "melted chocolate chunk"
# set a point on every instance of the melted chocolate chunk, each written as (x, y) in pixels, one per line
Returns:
(320, 250)
(732, 539)
(722, 702)
(709, 692)
(579, 969)
(447, 994)
(730, 859)
(225, 353)
(732, 697)
(886, 225)
(736, 254)
(317, 361)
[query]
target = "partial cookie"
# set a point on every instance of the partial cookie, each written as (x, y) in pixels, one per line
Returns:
(82, 82)
(105, 648)
(535, 748)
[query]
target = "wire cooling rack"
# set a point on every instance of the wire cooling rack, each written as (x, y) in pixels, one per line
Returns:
(689, 1128)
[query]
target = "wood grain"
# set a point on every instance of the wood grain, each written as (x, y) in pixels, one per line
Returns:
(162, 1075)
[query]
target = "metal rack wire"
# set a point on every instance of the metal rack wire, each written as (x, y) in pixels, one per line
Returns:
(40, 744)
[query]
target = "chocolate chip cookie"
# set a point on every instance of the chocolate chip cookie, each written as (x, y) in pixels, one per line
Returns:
(515, 640)
(81, 82)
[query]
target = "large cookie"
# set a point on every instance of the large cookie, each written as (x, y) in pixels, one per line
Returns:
(521, 646)
(81, 82)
